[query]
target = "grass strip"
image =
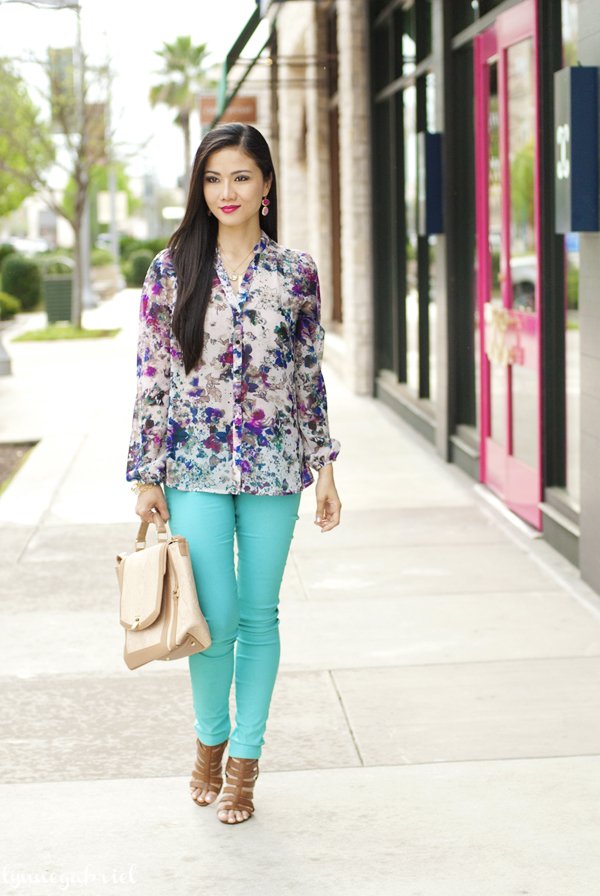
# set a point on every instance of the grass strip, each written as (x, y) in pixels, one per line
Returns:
(63, 331)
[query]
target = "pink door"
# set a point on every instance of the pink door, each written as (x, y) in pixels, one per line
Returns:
(508, 269)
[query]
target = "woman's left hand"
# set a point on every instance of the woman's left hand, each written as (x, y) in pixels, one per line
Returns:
(328, 502)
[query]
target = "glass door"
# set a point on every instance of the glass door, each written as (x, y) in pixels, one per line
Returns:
(508, 297)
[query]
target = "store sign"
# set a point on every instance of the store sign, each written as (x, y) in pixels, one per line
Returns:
(576, 149)
(429, 183)
(241, 108)
(63, 99)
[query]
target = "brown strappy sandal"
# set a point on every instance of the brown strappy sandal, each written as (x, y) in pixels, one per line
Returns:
(240, 776)
(208, 770)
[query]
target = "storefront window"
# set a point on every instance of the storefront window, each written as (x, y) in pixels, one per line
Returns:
(571, 260)
(569, 31)
(404, 42)
(381, 56)
(405, 262)
(522, 240)
(410, 201)
(409, 41)
(424, 30)
(498, 383)
(432, 244)
(572, 378)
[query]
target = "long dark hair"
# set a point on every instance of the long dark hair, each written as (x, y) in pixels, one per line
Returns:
(194, 242)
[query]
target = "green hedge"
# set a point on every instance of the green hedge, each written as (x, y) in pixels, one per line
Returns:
(128, 245)
(54, 266)
(9, 306)
(101, 257)
(5, 250)
(136, 268)
(21, 278)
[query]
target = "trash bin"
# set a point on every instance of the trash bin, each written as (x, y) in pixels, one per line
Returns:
(58, 296)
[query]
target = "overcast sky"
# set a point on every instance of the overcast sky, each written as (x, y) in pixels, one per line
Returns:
(130, 31)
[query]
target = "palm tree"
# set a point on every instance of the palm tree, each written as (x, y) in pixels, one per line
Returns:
(185, 74)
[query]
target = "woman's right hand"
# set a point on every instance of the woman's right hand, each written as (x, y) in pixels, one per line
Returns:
(149, 501)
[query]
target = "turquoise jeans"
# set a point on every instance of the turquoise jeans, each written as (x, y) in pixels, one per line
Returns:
(240, 606)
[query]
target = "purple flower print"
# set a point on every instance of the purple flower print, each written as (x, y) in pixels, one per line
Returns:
(255, 424)
(212, 414)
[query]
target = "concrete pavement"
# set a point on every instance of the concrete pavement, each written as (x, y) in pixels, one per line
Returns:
(434, 729)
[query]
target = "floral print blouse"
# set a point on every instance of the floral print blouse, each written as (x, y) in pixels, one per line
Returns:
(252, 416)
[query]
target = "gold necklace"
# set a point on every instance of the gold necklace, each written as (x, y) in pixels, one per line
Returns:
(234, 275)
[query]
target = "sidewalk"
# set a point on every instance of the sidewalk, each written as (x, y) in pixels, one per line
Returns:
(435, 729)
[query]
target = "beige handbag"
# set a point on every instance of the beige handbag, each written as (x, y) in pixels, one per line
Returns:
(160, 611)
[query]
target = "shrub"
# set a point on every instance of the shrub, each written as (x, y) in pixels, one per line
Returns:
(5, 250)
(49, 265)
(137, 267)
(129, 244)
(101, 257)
(62, 252)
(21, 277)
(9, 306)
(156, 245)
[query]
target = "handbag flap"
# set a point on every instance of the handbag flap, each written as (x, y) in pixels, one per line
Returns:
(142, 579)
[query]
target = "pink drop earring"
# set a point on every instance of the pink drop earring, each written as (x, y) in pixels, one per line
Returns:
(265, 206)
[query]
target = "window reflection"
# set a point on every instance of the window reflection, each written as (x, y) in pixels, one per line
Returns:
(573, 375)
(498, 380)
(410, 199)
(430, 114)
(569, 10)
(523, 250)
(433, 241)
(521, 135)
(409, 41)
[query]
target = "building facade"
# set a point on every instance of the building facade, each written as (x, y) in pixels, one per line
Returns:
(418, 158)
(478, 323)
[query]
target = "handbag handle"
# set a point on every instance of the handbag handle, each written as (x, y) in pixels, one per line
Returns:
(162, 533)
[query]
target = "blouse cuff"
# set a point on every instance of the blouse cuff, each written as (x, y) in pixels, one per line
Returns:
(324, 455)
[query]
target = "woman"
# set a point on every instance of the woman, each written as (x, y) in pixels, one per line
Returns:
(230, 415)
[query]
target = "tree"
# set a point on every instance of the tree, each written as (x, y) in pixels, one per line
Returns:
(77, 100)
(184, 68)
(98, 181)
(25, 141)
